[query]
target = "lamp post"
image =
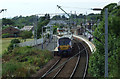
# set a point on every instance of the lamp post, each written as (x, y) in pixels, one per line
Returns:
(106, 39)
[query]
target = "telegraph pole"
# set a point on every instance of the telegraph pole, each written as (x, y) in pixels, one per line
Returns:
(84, 24)
(35, 30)
(42, 37)
(106, 42)
(75, 20)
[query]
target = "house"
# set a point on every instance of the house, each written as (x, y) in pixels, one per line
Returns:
(28, 28)
(52, 22)
(13, 31)
(79, 30)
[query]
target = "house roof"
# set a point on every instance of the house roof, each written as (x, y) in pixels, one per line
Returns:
(11, 30)
(28, 28)
(56, 21)
(12, 27)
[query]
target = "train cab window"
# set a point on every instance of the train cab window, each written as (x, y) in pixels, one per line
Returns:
(64, 41)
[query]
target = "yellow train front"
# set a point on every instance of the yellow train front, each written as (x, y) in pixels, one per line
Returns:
(64, 46)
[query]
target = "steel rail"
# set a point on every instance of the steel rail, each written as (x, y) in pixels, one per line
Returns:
(51, 68)
(86, 67)
(74, 70)
(59, 70)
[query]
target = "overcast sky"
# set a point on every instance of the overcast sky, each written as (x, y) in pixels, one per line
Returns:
(31, 7)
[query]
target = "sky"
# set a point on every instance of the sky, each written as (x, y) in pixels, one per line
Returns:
(32, 7)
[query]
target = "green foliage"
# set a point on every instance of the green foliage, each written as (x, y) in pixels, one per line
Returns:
(4, 27)
(13, 44)
(14, 41)
(115, 25)
(11, 67)
(24, 61)
(40, 25)
(6, 35)
(21, 21)
(55, 29)
(96, 62)
(7, 22)
(10, 47)
(26, 34)
(93, 17)
(110, 8)
(59, 17)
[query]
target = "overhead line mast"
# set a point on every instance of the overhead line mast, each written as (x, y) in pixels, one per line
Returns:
(59, 7)
(3, 10)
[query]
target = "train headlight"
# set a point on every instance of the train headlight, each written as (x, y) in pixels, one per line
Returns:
(59, 48)
(69, 46)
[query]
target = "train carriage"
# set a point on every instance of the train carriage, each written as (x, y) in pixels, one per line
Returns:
(64, 45)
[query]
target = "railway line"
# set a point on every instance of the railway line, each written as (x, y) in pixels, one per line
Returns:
(70, 67)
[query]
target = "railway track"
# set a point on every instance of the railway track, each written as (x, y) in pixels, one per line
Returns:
(75, 66)
(81, 70)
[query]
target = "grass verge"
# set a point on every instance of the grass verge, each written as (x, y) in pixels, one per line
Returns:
(24, 61)
(5, 43)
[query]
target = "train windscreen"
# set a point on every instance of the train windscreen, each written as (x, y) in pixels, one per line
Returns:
(64, 41)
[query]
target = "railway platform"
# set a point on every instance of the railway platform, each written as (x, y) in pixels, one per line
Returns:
(48, 44)
(85, 39)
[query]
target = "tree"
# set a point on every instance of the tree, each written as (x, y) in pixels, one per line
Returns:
(40, 25)
(96, 63)
(47, 16)
(56, 17)
(13, 44)
(26, 34)
(21, 21)
(7, 22)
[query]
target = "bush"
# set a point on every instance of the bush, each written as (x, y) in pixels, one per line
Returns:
(6, 35)
(10, 47)
(26, 34)
(13, 44)
(14, 41)
(13, 69)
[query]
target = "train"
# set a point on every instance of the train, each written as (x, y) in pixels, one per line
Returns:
(64, 45)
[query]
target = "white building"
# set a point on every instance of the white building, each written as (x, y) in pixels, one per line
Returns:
(28, 28)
